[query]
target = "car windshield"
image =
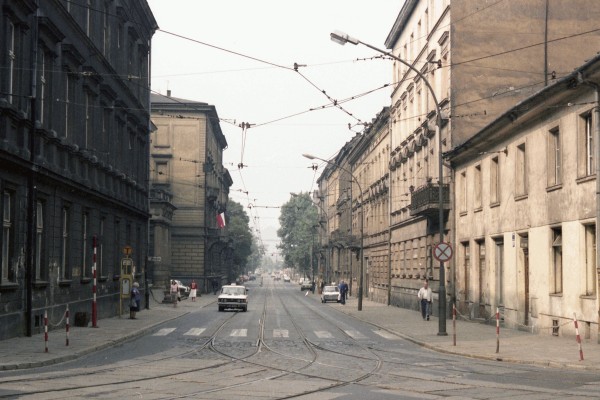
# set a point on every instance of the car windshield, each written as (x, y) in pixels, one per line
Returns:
(233, 290)
(331, 289)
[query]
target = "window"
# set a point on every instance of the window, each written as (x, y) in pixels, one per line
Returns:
(494, 181)
(499, 258)
(482, 272)
(466, 272)
(556, 278)
(39, 240)
(88, 121)
(11, 61)
(8, 271)
(88, 18)
(586, 164)
(68, 118)
(477, 189)
(64, 245)
(521, 182)
(463, 192)
(554, 157)
(84, 245)
(590, 260)
(161, 172)
(106, 32)
(42, 86)
(99, 250)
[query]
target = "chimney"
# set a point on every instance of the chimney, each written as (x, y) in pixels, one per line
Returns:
(168, 92)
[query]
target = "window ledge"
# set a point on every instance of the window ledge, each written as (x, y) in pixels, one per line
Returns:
(554, 187)
(588, 297)
(585, 178)
(478, 209)
(65, 282)
(85, 280)
(521, 197)
(463, 213)
(103, 279)
(495, 204)
(8, 286)
(40, 284)
(555, 294)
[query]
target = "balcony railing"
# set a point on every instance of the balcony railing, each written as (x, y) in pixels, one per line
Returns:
(425, 200)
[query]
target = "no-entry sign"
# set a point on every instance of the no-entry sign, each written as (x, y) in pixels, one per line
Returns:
(442, 252)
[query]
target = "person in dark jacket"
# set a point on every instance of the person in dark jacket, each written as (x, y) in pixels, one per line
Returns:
(134, 305)
(343, 292)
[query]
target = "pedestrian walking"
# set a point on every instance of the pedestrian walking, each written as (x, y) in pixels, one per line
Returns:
(343, 292)
(174, 292)
(134, 304)
(425, 296)
(193, 289)
(215, 286)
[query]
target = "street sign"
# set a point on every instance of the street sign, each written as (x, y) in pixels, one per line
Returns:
(155, 259)
(127, 250)
(442, 252)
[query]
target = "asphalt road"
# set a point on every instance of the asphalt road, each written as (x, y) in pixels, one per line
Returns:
(286, 346)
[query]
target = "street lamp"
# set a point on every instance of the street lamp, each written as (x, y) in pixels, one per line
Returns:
(343, 38)
(362, 236)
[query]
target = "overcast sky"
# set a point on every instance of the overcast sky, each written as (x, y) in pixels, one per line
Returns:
(239, 56)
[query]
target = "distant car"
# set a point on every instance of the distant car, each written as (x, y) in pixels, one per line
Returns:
(286, 278)
(233, 296)
(184, 291)
(306, 284)
(330, 293)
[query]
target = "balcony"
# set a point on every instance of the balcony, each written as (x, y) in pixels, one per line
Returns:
(425, 200)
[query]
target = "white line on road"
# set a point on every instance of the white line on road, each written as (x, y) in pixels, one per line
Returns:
(323, 335)
(164, 332)
(281, 333)
(195, 332)
(355, 334)
(239, 332)
(387, 335)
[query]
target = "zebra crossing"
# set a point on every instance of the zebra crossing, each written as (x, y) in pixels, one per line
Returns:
(280, 333)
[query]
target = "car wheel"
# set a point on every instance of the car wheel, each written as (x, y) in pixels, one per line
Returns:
(245, 309)
(220, 308)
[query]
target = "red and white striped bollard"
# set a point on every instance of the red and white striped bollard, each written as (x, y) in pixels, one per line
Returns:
(578, 337)
(497, 330)
(46, 330)
(67, 324)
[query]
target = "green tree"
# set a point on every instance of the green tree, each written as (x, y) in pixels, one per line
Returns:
(297, 222)
(238, 231)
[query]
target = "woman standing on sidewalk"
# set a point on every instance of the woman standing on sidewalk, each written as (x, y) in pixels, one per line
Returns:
(134, 305)
(174, 293)
(193, 289)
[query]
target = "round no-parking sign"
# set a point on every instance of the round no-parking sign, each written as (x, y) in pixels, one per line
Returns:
(442, 252)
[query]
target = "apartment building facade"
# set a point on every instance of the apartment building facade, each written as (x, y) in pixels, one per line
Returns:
(189, 188)
(527, 210)
(479, 60)
(74, 144)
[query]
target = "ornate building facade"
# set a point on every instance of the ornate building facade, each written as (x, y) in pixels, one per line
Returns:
(190, 187)
(74, 145)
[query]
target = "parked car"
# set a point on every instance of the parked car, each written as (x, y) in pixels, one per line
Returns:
(306, 284)
(233, 296)
(330, 293)
(286, 278)
(184, 290)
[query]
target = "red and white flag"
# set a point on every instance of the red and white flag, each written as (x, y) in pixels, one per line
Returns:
(221, 220)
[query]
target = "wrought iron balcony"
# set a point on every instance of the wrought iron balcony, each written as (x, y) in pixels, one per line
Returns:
(425, 200)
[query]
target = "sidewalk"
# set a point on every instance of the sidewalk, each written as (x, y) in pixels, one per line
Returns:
(472, 339)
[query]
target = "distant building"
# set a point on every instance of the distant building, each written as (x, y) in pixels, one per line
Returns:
(189, 188)
(74, 145)
(527, 210)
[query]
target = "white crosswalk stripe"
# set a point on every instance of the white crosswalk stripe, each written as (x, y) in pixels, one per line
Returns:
(386, 335)
(281, 333)
(239, 332)
(164, 332)
(195, 332)
(323, 335)
(355, 334)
